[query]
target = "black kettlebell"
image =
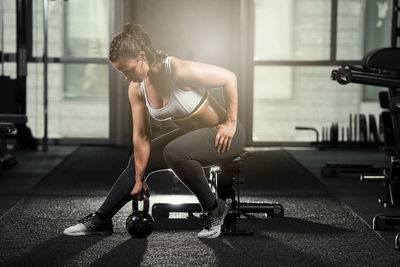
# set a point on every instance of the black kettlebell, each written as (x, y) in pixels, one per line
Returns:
(140, 224)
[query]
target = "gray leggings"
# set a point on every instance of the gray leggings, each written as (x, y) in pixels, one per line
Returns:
(185, 154)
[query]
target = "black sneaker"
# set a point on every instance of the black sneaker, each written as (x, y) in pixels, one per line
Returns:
(90, 225)
(214, 220)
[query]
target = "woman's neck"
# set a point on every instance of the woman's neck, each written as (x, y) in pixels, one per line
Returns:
(156, 75)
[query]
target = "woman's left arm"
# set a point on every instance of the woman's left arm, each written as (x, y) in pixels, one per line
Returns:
(199, 75)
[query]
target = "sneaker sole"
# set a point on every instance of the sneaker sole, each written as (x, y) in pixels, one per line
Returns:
(109, 232)
(213, 234)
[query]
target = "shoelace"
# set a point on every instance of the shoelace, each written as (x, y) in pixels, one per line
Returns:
(87, 221)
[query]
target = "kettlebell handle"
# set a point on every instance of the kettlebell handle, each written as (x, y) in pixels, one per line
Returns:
(146, 204)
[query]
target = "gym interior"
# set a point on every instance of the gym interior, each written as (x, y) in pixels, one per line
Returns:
(318, 92)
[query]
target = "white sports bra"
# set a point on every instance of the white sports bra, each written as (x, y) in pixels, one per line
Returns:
(181, 102)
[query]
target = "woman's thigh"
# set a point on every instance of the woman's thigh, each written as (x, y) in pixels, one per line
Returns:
(156, 159)
(199, 145)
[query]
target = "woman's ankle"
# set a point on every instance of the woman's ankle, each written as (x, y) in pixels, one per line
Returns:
(101, 215)
(213, 207)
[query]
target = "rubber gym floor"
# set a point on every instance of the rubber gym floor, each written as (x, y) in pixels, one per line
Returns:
(327, 221)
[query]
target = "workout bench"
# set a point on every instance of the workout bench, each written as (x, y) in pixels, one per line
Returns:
(225, 180)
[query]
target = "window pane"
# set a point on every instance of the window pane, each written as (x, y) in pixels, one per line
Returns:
(77, 117)
(292, 30)
(10, 69)
(86, 80)
(362, 26)
(279, 81)
(371, 93)
(10, 26)
(350, 32)
(75, 28)
(37, 27)
(316, 101)
(87, 28)
(55, 28)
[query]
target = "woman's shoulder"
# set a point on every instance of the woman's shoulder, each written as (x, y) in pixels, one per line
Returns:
(177, 66)
(174, 61)
(135, 91)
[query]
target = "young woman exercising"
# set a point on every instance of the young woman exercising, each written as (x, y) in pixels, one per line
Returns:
(168, 88)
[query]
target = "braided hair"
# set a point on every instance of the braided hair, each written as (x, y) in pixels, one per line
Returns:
(130, 42)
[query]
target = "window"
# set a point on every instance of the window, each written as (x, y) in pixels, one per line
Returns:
(78, 38)
(293, 57)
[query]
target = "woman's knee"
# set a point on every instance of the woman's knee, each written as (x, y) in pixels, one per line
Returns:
(173, 154)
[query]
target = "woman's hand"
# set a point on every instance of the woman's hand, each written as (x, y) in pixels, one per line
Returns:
(225, 133)
(139, 188)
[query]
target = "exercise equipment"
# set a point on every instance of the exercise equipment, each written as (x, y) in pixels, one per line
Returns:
(225, 180)
(381, 67)
(386, 223)
(334, 133)
(13, 91)
(6, 160)
(357, 134)
(363, 129)
(8, 125)
(140, 224)
(373, 136)
(390, 179)
(345, 169)
(303, 128)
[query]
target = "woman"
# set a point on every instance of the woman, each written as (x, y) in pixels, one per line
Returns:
(168, 88)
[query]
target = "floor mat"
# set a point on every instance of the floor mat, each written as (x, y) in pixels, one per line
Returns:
(317, 229)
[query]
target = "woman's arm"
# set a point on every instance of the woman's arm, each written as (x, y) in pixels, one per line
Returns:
(198, 75)
(141, 137)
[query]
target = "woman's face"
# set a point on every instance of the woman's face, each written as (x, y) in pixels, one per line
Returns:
(133, 69)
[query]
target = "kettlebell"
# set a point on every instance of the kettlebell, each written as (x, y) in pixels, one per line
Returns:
(140, 224)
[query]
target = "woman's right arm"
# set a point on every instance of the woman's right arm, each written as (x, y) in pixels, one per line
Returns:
(141, 132)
